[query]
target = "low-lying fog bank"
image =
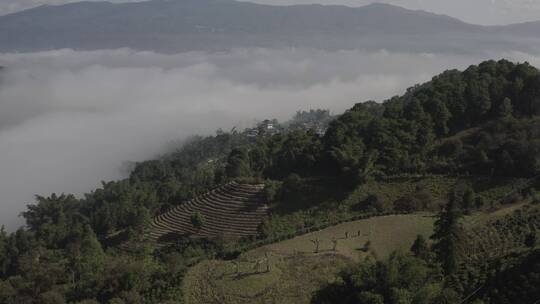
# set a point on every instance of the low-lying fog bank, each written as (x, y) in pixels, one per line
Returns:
(70, 119)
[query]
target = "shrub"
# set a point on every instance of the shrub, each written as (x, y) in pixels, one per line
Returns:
(531, 240)
(479, 202)
(272, 191)
(451, 148)
(373, 203)
(469, 199)
(413, 202)
(367, 246)
(512, 198)
(197, 220)
(263, 230)
(420, 248)
(536, 198)
(292, 188)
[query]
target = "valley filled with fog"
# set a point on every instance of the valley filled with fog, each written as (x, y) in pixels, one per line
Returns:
(70, 119)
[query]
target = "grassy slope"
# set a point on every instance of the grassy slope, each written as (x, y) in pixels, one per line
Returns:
(295, 270)
(292, 279)
(386, 234)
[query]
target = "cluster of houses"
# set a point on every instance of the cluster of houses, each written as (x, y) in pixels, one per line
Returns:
(271, 127)
(266, 127)
(319, 128)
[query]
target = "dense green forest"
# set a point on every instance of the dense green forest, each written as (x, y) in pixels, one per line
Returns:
(479, 124)
(494, 104)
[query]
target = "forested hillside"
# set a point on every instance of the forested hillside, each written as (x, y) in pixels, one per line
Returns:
(481, 121)
(459, 147)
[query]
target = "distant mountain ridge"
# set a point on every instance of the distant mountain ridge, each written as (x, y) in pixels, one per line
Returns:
(184, 25)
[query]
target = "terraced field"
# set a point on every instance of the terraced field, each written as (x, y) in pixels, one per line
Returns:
(233, 210)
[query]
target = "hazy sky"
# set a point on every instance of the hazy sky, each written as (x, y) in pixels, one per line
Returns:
(473, 11)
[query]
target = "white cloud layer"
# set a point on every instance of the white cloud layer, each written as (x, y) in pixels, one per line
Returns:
(70, 119)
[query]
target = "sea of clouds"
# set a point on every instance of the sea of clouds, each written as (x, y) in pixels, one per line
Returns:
(70, 119)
